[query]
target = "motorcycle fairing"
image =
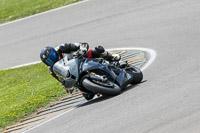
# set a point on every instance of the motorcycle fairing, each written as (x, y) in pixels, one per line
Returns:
(93, 64)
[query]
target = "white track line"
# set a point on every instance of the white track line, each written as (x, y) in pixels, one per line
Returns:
(48, 120)
(25, 64)
(152, 57)
(151, 52)
(45, 12)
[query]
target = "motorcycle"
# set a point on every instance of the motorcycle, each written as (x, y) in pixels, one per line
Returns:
(96, 76)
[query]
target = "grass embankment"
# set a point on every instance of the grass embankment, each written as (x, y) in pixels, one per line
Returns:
(23, 90)
(15, 9)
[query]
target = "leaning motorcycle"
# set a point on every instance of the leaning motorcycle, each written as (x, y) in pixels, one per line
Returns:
(96, 76)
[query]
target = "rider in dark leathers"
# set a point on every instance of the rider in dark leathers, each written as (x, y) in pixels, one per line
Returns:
(50, 55)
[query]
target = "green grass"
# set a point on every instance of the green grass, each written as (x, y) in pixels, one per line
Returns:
(23, 90)
(15, 9)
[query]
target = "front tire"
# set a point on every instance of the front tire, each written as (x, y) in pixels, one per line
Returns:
(96, 88)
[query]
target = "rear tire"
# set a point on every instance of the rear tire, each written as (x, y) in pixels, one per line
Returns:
(96, 88)
(137, 74)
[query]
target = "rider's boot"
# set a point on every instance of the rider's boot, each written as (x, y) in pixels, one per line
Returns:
(111, 57)
(116, 57)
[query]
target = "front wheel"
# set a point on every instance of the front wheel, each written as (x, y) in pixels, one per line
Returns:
(97, 88)
(137, 74)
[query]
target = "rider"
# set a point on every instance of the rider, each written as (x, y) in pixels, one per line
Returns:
(50, 55)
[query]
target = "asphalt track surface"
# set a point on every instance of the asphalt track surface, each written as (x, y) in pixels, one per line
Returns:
(168, 100)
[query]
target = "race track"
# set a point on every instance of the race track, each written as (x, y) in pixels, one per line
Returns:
(169, 99)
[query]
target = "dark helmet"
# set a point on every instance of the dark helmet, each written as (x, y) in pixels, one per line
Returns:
(49, 56)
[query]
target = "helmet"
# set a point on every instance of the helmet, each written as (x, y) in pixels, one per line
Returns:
(49, 56)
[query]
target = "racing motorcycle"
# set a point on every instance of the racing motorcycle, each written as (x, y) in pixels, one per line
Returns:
(96, 76)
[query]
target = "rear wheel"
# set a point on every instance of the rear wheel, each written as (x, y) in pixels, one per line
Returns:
(137, 74)
(101, 88)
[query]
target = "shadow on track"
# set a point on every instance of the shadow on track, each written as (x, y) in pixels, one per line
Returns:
(129, 87)
(96, 100)
(102, 98)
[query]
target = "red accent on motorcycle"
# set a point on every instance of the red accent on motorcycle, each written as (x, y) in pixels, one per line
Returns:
(89, 53)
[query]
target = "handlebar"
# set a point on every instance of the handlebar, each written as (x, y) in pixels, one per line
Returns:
(80, 53)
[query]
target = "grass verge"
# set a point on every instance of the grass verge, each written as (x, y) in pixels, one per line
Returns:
(23, 90)
(15, 9)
